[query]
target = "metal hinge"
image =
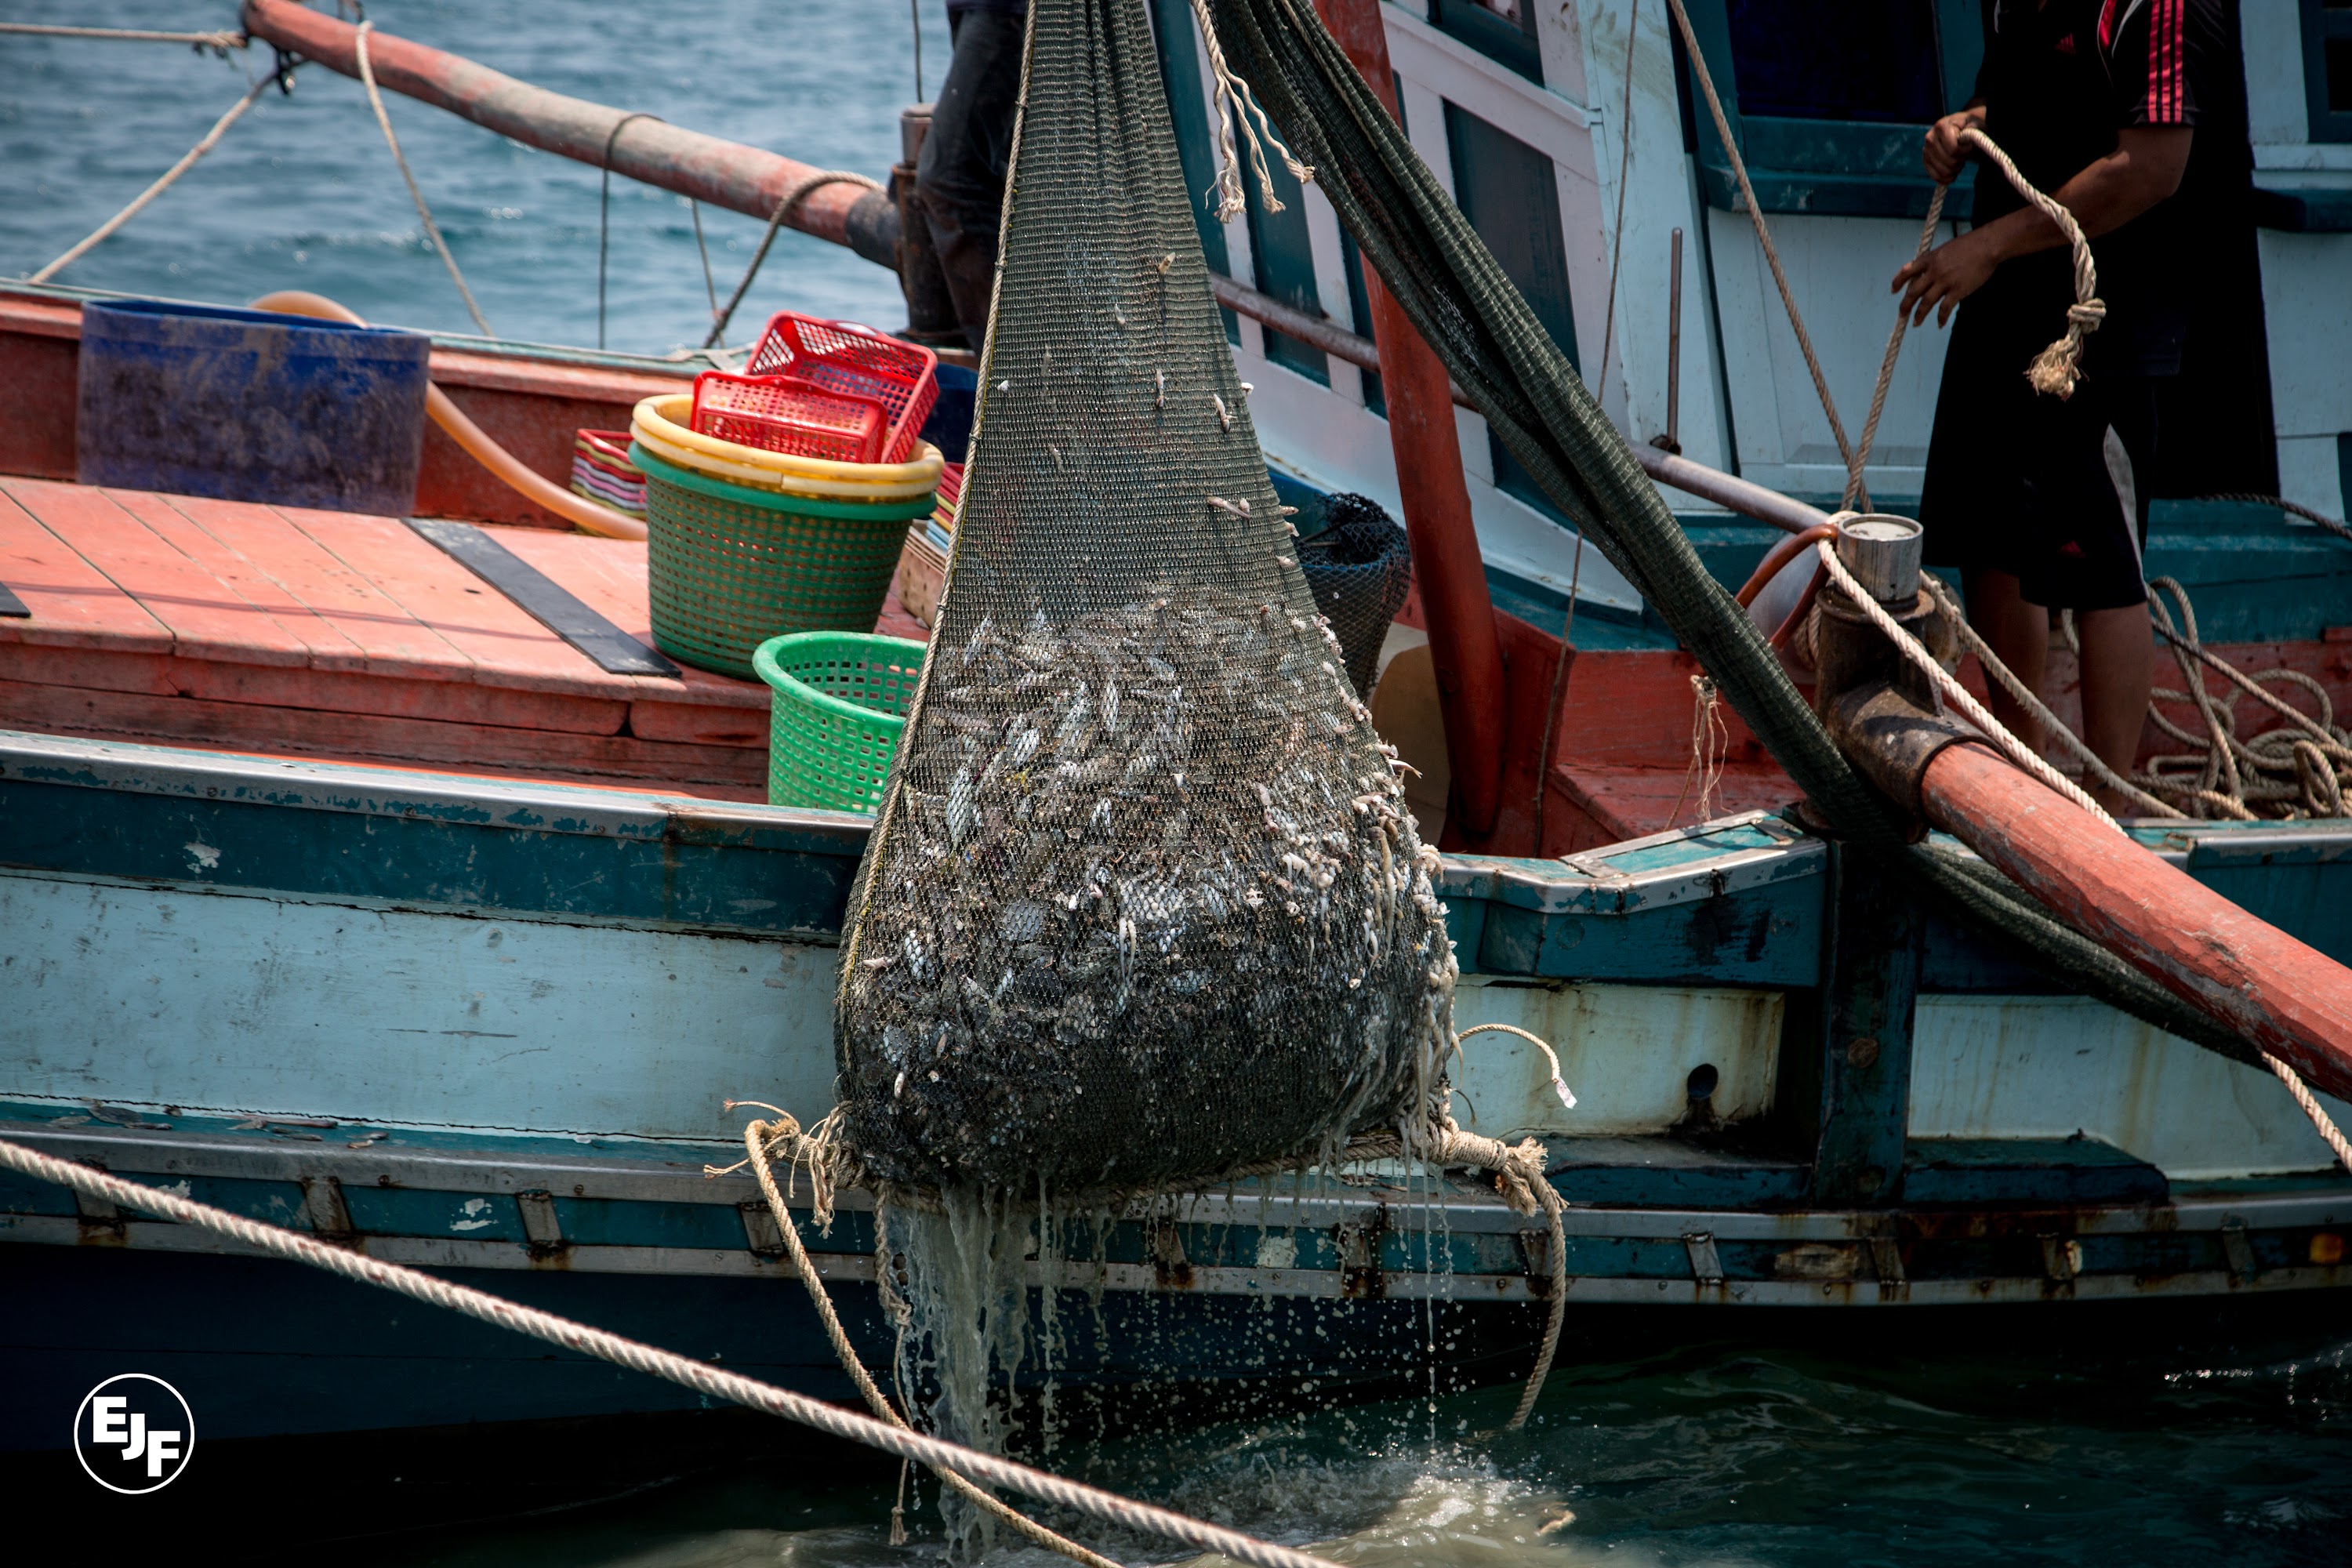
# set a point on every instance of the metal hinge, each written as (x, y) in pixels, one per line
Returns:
(540, 1228)
(1705, 1266)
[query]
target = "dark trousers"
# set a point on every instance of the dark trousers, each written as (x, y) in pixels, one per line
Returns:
(959, 176)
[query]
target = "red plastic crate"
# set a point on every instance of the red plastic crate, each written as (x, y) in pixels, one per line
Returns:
(859, 361)
(784, 414)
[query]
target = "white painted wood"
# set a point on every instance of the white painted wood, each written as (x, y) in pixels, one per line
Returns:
(1626, 1052)
(1839, 269)
(2270, 32)
(2310, 339)
(1559, 45)
(2048, 1066)
(221, 1002)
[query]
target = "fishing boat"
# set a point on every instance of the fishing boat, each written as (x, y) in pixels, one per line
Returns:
(344, 887)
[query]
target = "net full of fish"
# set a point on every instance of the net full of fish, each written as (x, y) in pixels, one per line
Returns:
(1149, 908)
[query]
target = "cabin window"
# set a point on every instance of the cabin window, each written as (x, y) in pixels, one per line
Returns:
(2327, 68)
(1511, 196)
(1283, 255)
(1360, 307)
(1188, 107)
(1502, 30)
(1828, 99)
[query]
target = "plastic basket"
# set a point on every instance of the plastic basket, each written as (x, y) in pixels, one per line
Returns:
(660, 425)
(839, 706)
(728, 567)
(843, 357)
(784, 414)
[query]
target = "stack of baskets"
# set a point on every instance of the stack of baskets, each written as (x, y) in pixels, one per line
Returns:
(750, 542)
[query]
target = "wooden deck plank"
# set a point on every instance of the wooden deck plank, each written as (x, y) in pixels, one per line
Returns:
(506, 646)
(461, 747)
(73, 603)
(391, 640)
(330, 648)
(608, 576)
(208, 617)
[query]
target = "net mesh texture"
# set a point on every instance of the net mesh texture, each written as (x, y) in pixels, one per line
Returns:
(1143, 904)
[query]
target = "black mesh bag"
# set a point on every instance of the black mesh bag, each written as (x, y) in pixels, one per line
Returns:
(1142, 904)
(1360, 569)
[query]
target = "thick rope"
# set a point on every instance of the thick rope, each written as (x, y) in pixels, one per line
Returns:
(1959, 696)
(2023, 696)
(2333, 526)
(701, 1376)
(800, 192)
(757, 1137)
(1857, 495)
(2320, 1121)
(98, 236)
(220, 42)
(1763, 235)
(2057, 368)
(415, 192)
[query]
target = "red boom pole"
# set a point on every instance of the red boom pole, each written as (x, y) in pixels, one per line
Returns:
(2251, 977)
(1463, 645)
(723, 173)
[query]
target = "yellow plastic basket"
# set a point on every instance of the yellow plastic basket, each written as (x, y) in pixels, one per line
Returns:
(660, 425)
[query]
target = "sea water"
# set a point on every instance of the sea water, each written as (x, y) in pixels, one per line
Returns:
(1876, 1437)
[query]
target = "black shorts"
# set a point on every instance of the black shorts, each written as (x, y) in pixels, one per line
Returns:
(2017, 482)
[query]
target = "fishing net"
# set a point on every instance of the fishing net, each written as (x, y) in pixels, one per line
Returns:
(1360, 569)
(1143, 904)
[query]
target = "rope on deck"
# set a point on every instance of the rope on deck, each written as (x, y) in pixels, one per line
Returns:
(636, 1356)
(98, 236)
(431, 229)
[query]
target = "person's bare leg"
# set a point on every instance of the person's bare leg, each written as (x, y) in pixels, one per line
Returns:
(2019, 635)
(2118, 669)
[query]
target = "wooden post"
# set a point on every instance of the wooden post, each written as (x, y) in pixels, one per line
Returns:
(1870, 982)
(1464, 643)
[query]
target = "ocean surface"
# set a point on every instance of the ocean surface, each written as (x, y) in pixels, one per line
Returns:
(303, 193)
(2190, 1446)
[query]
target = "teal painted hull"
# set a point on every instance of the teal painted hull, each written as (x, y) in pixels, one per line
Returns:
(490, 1028)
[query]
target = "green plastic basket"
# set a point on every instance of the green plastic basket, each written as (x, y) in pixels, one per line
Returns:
(839, 703)
(728, 567)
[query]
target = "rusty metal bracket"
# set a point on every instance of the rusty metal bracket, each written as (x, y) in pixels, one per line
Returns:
(1706, 1267)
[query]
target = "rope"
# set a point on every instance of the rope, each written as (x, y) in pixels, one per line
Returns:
(1763, 235)
(220, 42)
(1855, 492)
(1235, 104)
(2055, 368)
(701, 1376)
(2015, 750)
(799, 193)
(757, 1137)
(2023, 696)
(1710, 736)
(1617, 233)
(431, 229)
(99, 235)
(604, 218)
(2333, 526)
(2328, 1131)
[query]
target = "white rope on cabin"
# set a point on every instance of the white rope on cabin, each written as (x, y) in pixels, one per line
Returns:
(431, 229)
(98, 236)
(636, 1356)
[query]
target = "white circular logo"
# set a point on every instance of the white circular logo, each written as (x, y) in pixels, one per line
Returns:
(133, 1434)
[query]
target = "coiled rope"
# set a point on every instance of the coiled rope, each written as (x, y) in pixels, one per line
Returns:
(416, 193)
(701, 1376)
(188, 161)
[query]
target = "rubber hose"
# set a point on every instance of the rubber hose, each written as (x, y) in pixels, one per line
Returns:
(527, 482)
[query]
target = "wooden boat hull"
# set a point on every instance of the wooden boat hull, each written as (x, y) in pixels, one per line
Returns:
(489, 1026)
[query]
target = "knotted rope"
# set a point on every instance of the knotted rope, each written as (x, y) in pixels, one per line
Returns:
(2057, 368)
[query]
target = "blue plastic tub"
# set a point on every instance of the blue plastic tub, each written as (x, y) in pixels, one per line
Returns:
(250, 406)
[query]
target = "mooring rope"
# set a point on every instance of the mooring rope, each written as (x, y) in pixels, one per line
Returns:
(138, 203)
(431, 229)
(701, 1376)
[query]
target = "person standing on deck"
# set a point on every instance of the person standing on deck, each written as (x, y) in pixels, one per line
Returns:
(960, 174)
(2132, 114)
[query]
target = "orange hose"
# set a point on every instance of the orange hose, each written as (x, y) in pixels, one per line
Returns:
(533, 486)
(1779, 555)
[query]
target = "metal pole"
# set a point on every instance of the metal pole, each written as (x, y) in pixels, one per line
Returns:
(1671, 440)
